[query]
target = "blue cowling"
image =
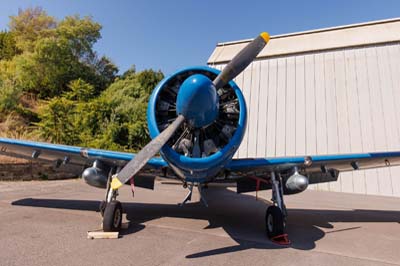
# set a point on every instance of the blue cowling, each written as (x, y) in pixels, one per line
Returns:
(203, 168)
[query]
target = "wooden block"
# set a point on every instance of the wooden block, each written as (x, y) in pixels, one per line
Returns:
(100, 234)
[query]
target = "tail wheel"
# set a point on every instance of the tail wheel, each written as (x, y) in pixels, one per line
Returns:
(112, 217)
(275, 222)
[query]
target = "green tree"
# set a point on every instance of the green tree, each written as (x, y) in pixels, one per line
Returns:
(129, 98)
(10, 92)
(79, 91)
(48, 70)
(149, 79)
(57, 121)
(82, 101)
(82, 34)
(9, 96)
(8, 47)
(97, 124)
(55, 53)
(105, 71)
(30, 25)
(130, 71)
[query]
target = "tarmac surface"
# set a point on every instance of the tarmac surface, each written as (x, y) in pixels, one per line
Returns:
(45, 223)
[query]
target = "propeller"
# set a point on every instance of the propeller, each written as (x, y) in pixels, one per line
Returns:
(231, 70)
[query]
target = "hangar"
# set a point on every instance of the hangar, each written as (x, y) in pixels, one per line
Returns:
(325, 91)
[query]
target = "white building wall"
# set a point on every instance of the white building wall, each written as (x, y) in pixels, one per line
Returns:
(343, 100)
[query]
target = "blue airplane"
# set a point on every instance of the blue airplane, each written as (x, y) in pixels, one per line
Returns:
(197, 120)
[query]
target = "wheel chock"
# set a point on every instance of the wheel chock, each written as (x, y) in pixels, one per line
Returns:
(282, 240)
(100, 234)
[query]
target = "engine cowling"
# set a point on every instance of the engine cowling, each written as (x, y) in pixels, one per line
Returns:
(197, 152)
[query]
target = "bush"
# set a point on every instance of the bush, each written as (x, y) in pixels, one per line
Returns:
(9, 96)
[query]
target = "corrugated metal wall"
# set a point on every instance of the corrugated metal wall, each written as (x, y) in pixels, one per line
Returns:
(340, 101)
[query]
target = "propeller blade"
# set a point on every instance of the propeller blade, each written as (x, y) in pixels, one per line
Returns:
(241, 60)
(140, 160)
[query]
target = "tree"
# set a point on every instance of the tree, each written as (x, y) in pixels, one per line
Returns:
(57, 121)
(149, 80)
(129, 97)
(8, 47)
(130, 71)
(79, 91)
(48, 70)
(9, 89)
(55, 53)
(30, 25)
(97, 124)
(82, 34)
(106, 72)
(52, 78)
(9, 96)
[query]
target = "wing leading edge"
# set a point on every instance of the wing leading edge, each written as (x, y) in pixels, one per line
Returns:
(68, 154)
(319, 168)
(341, 162)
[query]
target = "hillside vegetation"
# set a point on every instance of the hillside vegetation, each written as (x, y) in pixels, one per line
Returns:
(54, 87)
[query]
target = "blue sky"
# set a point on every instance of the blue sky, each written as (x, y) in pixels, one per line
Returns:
(169, 35)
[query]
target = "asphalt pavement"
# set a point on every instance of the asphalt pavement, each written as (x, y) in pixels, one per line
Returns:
(46, 223)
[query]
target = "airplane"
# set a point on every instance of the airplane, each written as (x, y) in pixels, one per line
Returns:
(197, 119)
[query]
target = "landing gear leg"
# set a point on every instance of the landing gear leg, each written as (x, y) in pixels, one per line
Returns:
(188, 196)
(202, 198)
(111, 209)
(276, 214)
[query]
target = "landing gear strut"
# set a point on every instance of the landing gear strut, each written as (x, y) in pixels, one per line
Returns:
(188, 196)
(276, 214)
(111, 209)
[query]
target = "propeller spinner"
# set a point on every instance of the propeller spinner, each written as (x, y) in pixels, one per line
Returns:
(197, 101)
(197, 104)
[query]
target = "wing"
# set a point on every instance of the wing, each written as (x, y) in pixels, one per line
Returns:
(70, 155)
(319, 168)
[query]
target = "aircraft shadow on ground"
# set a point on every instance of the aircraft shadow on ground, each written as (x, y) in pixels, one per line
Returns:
(232, 212)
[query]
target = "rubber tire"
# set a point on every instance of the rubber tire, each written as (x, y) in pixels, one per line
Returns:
(277, 222)
(102, 207)
(112, 218)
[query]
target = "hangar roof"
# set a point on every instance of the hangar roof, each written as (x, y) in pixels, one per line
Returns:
(375, 32)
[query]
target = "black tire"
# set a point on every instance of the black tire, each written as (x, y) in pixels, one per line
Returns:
(274, 222)
(112, 218)
(102, 207)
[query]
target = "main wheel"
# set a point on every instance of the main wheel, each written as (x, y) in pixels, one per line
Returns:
(112, 217)
(275, 222)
